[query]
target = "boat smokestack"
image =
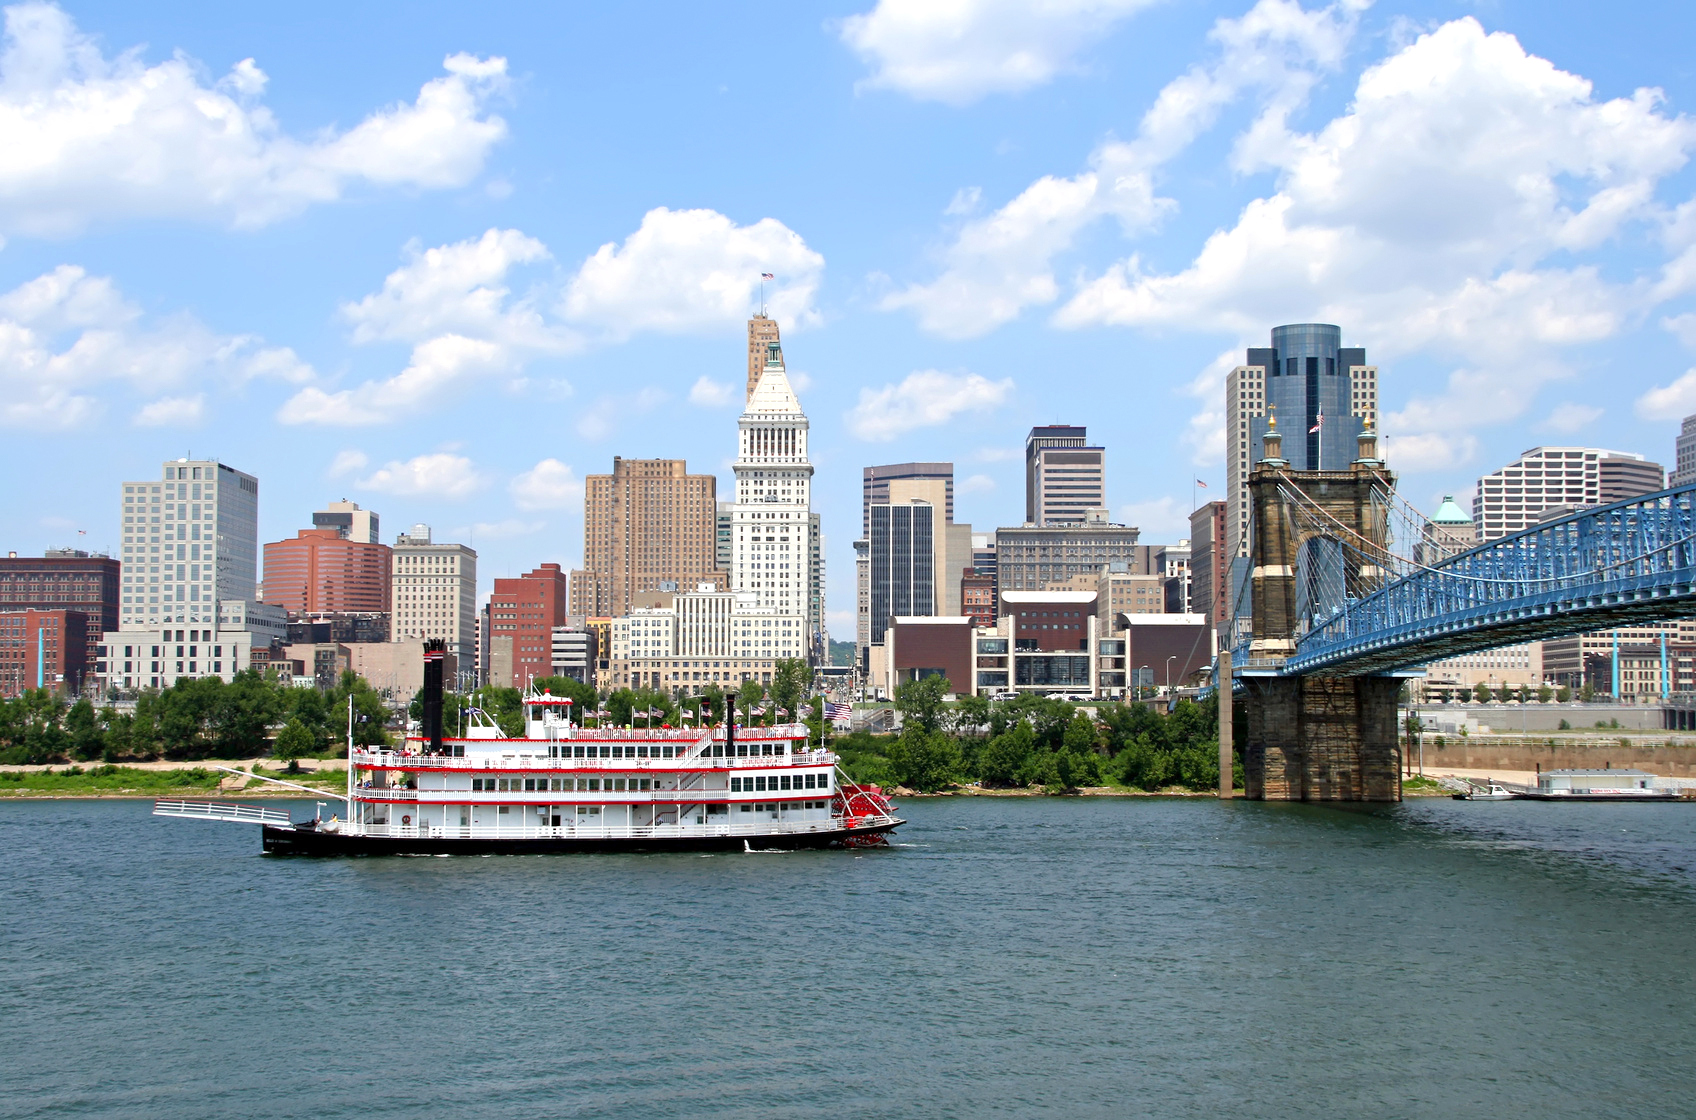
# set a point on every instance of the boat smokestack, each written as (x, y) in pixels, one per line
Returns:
(434, 651)
(730, 733)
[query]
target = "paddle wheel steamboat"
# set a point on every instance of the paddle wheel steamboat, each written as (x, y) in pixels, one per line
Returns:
(567, 788)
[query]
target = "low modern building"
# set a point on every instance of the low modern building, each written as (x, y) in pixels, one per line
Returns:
(131, 659)
(574, 653)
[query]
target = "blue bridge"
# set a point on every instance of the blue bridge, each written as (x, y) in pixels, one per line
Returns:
(1351, 589)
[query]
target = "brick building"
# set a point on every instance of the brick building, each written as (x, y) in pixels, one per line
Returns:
(43, 649)
(320, 571)
(522, 615)
(64, 579)
(647, 523)
(977, 596)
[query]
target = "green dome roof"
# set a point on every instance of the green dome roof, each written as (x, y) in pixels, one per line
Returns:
(1449, 513)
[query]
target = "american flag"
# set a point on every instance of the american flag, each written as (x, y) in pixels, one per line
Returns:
(767, 276)
(833, 711)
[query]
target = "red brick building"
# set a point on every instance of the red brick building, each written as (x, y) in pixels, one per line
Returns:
(1050, 620)
(928, 646)
(63, 580)
(522, 615)
(977, 596)
(48, 649)
(320, 571)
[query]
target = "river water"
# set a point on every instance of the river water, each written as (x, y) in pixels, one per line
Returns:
(1010, 957)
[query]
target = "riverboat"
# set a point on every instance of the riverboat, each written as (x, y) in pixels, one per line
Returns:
(566, 788)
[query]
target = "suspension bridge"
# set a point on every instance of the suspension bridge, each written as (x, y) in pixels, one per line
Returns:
(1352, 589)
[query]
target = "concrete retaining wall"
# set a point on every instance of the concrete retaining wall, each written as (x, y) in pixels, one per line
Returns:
(1515, 753)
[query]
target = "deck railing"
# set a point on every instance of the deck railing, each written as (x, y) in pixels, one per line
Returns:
(219, 811)
(534, 760)
(609, 832)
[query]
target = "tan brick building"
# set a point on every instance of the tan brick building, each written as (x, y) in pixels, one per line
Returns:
(648, 522)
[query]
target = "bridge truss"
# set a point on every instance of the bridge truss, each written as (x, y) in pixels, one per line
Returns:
(1379, 606)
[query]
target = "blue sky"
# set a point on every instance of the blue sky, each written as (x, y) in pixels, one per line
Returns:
(446, 262)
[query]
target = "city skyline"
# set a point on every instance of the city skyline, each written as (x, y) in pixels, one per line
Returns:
(490, 328)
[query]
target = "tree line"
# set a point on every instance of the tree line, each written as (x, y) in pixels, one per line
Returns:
(1032, 740)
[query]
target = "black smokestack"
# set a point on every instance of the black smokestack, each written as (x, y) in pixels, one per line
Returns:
(730, 733)
(434, 649)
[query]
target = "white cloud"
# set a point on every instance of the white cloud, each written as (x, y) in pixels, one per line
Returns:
(70, 341)
(711, 394)
(694, 270)
(499, 530)
(84, 137)
(957, 51)
(438, 475)
(346, 462)
(1428, 451)
(453, 303)
(172, 412)
(924, 398)
(998, 265)
(1568, 417)
(1683, 327)
(550, 484)
(1669, 402)
(1422, 219)
(977, 484)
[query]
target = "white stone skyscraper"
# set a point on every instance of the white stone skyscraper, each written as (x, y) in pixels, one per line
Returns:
(772, 551)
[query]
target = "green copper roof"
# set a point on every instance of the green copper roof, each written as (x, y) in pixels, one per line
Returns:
(1450, 514)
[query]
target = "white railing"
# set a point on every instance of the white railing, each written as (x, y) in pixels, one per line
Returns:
(608, 832)
(220, 811)
(538, 760)
(385, 793)
(684, 796)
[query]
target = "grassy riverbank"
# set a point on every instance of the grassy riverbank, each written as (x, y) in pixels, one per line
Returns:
(135, 781)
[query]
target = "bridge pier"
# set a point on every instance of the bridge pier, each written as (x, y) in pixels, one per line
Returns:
(1322, 739)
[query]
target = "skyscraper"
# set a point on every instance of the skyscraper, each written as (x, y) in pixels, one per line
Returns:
(902, 571)
(435, 593)
(1065, 479)
(1684, 454)
(648, 522)
(773, 554)
(874, 486)
(1546, 481)
(349, 521)
(190, 539)
(762, 337)
(320, 571)
(522, 614)
(1322, 392)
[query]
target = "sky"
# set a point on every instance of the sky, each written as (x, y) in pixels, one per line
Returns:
(446, 261)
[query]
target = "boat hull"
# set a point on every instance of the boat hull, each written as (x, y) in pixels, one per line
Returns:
(312, 842)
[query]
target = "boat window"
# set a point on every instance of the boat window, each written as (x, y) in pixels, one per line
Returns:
(618, 784)
(505, 809)
(641, 752)
(577, 751)
(559, 783)
(783, 782)
(594, 783)
(606, 752)
(530, 785)
(747, 808)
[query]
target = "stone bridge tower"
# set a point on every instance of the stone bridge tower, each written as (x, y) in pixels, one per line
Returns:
(1315, 738)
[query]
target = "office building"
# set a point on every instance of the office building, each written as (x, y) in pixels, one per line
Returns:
(1449, 532)
(773, 555)
(682, 642)
(1120, 592)
(435, 592)
(1508, 668)
(64, 579)
(983, 554)
(762, 341)
(1031, 558)
(349, 521)
(1209, 562)
(977, 596)
(1065, 479)
(523, 612)
(874, 488)
(43, 649)
(1547, 482)
(818, 641)
(648, 522)
(1684, 456)
(191, 539)
(319, 571)
(1172, 564)
(723, 552)
(574, 653)
(902, 568)
(1322, 392)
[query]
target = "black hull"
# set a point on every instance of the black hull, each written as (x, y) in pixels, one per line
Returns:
(311, 842)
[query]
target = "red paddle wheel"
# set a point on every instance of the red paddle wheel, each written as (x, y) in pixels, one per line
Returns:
(854, 804)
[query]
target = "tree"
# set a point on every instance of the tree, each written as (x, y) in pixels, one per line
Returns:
(1544, 694)
(582, 695)
(789, 680)
(920, 702)
(1005, 757)
(971, 715)
(1482, 692)
(751, 693)
(1563, 694)
(294, 741)
(925, 761)
(82, 729)
(1413, 727)
(712, 703)
(370, 713)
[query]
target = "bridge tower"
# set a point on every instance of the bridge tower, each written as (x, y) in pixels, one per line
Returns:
(1316, 738)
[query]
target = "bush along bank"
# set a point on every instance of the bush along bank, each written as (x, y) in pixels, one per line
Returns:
(1036, 742)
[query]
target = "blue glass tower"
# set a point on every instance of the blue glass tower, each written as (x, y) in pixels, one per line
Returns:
(1307, 377)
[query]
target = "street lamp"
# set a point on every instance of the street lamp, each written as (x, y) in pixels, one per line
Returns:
(1169, 661)
(1142, 669)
